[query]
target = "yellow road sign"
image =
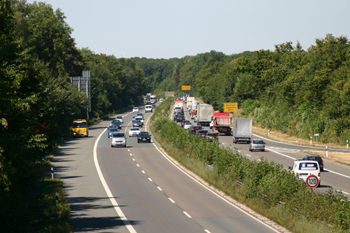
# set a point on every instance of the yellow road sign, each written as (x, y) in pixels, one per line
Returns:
(186, 88)
(230, 107)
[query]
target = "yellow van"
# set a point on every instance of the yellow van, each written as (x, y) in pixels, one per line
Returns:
(80, 128)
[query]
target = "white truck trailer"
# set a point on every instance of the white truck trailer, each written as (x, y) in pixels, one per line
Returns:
(204, 114)
(242, 130)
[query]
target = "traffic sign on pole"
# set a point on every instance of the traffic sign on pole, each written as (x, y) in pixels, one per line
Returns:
(163, 111)
(312, 181)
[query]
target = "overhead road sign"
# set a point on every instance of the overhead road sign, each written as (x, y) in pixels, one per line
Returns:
(230, 107)
(186, 87)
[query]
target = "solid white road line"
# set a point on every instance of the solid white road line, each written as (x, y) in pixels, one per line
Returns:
(114, 202)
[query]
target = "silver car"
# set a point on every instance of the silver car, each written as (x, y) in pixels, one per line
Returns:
(118, 139)
(257, 144)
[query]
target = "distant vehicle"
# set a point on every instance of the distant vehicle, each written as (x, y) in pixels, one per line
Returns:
(204, 114)
(144, 137)
(154, 106)
(183, 122)
(134, 131)
(133, 117)
(153, 98)
(112, 130)
(187, 125)
(148, 108)
(116, 124)
(257, 144)
(316, 158)
(140, 114)
(242, 130)
(139, 118)
(120, 118)
(180, 118)
(202, 133)
(136, 109)
(137, 123)
(306, 168)
(80, 128)
(118, 139)
(222, 122)
(195, 128)
(212, 136)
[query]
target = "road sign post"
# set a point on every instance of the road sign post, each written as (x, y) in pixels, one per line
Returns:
(312, 181)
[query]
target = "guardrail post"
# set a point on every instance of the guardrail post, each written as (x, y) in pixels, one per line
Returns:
(268, 133)
(311, 140)
(51, 173)
(327, 151)
(347, 143)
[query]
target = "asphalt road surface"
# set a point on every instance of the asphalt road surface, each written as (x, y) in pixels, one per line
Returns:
(140, 189)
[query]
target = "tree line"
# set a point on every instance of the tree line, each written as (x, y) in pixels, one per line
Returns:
(299, 92)
(37, 102)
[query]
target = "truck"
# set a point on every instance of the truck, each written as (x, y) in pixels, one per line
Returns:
(80, 128)
(222, 122)
(189, 101)
(153, 98)
(193, 107)
(242, 130)
(148, 97)
(179, 103)
(204, 114)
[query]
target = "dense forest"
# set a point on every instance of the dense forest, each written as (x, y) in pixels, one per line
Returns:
(37, 102)
(296, 91)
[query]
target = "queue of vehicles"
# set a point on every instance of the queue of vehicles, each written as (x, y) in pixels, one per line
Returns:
(241, 130)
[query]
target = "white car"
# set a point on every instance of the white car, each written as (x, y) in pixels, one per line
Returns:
(148, 108)
(134, 131)
(118, 139)
(136, 109)
(187, 125)
(120, 118)
(211, 124)
(305, 168)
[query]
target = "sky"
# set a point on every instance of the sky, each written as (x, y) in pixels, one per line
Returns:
(178, 28)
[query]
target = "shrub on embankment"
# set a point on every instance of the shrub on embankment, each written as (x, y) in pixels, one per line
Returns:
(262, 185)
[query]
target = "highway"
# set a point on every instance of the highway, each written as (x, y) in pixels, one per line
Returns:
(140, 189)
(334, 175)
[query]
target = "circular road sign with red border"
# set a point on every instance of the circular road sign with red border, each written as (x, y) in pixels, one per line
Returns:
(312, 181)
(162, 111)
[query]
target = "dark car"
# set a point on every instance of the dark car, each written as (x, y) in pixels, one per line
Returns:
(117, 124)
(195, 128)
(212, 136)
(137, 123)
(202, 133)
(144, 137)
(180, 118)
(317, 158)
(154, 106)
